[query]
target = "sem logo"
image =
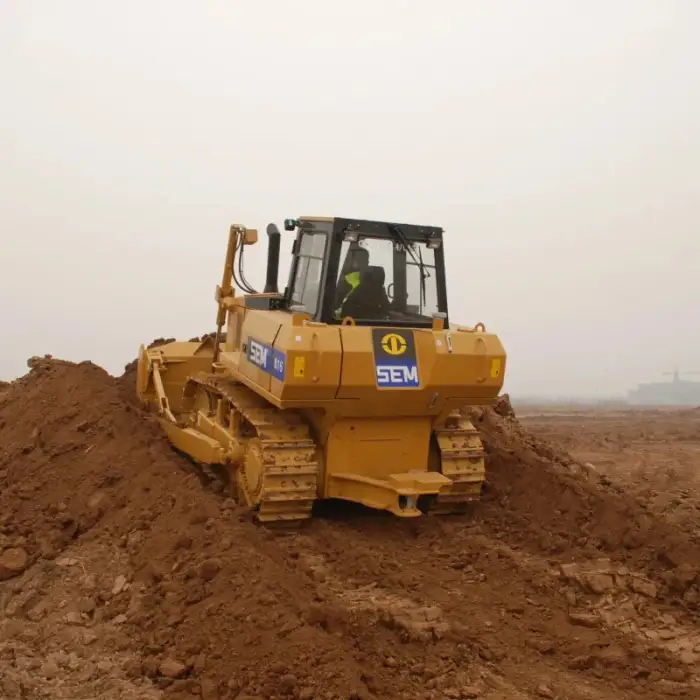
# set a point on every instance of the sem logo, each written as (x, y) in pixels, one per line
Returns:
(395, 360)
(397, 375)
(258, 354)
(269, 359)
(394, 344)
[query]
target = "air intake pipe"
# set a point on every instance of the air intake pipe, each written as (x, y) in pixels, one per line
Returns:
(273, 259)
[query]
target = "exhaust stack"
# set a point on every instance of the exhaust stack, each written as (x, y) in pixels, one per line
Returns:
(273, 259)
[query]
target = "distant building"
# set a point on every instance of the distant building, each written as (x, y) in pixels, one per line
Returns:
(677, 392)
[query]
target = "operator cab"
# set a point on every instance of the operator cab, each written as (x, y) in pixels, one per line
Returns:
(377, 273)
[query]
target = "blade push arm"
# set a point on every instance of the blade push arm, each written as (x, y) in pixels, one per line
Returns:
(238, 235)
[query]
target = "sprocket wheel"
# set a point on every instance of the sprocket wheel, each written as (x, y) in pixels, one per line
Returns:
(250, 477)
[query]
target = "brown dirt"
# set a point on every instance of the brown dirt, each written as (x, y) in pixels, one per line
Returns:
(126, 576)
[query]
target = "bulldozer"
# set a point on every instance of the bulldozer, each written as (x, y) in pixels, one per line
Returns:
(351, 384)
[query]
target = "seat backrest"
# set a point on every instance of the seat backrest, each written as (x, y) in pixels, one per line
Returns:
(369, 300)
(373, 277)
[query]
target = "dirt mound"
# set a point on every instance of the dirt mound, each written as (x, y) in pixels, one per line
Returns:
(125, 577)
(564, 508)
(199, 590)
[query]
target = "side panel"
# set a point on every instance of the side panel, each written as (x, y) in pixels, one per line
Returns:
(310, 358)
(418, 371)
(258, 359)
(364, 371)
(293, 363)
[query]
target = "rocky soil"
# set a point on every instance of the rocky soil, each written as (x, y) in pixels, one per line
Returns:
(124, 574)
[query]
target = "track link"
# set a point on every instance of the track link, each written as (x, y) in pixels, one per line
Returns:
(462, 460)
(278, 475)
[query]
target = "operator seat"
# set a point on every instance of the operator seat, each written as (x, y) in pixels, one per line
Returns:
(369, 299)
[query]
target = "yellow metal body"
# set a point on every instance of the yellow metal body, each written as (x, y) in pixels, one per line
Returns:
(293, 409)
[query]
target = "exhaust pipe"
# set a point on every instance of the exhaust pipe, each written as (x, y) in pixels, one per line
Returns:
(273, 259)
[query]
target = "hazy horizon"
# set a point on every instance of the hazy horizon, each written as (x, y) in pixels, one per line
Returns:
(556, 143)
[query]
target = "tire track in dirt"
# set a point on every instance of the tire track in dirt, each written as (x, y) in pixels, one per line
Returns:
(506, 610)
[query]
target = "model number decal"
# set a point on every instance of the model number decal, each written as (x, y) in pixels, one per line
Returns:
(279, 362)
(267, 358)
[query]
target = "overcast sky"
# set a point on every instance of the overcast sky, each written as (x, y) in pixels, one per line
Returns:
(558, 144)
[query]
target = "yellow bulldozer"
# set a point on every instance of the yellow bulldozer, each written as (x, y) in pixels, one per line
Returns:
(348, 385)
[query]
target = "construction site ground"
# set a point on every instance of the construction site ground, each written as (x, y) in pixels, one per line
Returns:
(126, 574)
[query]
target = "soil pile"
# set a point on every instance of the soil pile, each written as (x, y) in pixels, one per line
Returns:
(195, 585)
(126, 577)
(546, 498)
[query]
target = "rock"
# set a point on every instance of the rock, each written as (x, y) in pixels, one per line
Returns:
(87, 605)
(73, 618)
(49, 670)
(544, 646)
(503, 406)
(183, 542)
(208, 689)
(689, 658)
(544, 691)
(582, 663)
(598, 583)
(612, 656)
(584, 619)
(104, 666)
(677, 675)
(149, 667)
(684, 576)
(569, 571)
(432, 613)
(60, 658)
(288, 682)
(692, 596)
(119, 584)
(13, 562)
(208, 569)
(643, 587)
(172, 669)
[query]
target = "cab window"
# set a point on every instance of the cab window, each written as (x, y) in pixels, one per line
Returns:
(308, 276)
(383, 280)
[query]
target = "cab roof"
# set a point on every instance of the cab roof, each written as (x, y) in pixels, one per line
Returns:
(377, 228)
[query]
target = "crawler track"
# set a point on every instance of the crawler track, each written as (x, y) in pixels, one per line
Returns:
(278, 475)
(462, 460)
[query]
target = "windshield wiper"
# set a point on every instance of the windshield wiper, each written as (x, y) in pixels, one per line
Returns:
(423, 276)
